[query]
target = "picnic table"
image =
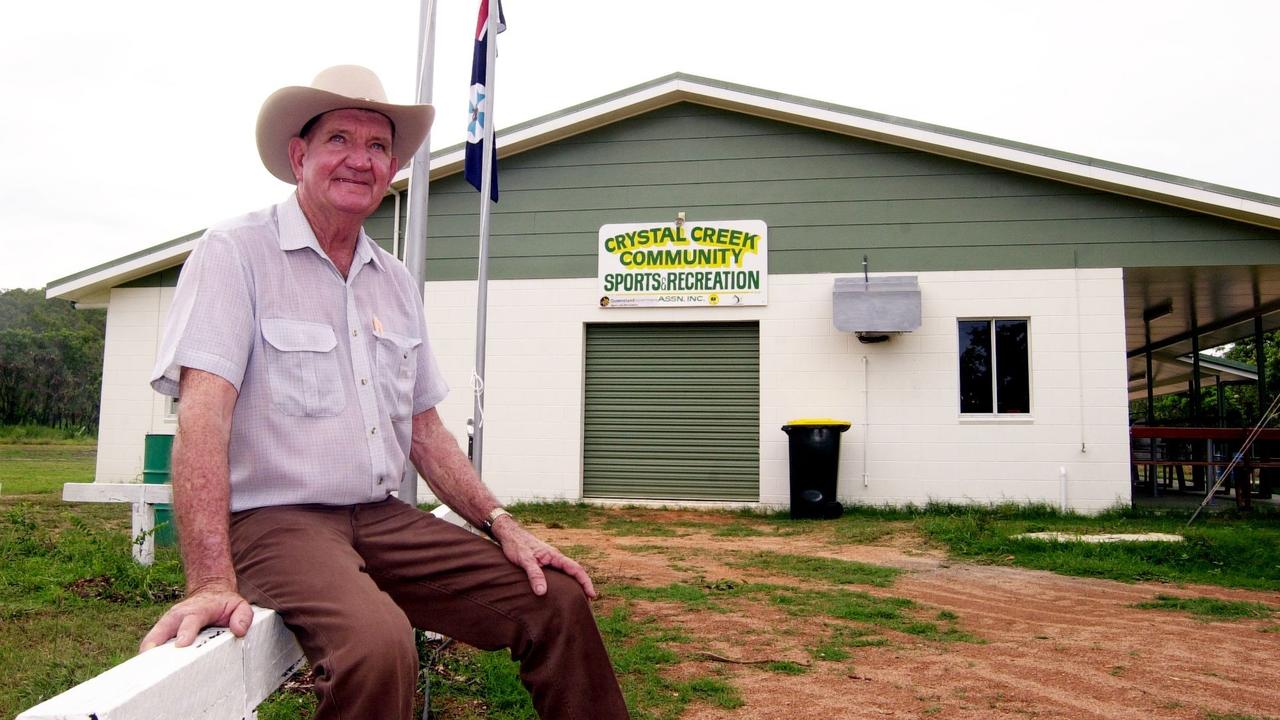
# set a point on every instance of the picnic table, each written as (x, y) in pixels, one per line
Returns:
(1190, 459)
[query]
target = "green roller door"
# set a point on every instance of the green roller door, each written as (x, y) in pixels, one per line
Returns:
(672, 411)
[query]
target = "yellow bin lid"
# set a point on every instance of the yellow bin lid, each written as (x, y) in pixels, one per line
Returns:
(842, 424)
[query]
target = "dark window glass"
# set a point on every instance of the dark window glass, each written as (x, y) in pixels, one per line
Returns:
(1013, 386)
(975, 366)
(995, 372)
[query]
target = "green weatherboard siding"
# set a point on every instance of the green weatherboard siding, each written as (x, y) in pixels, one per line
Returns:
(672, 411)
(826, 198)
(165, 278)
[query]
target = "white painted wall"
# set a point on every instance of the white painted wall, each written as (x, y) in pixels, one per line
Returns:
(130, 409)
(915, 444)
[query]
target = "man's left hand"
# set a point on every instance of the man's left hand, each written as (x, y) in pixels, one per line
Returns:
(526, 551)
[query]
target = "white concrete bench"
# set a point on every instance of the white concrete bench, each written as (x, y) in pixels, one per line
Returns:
(219, 677)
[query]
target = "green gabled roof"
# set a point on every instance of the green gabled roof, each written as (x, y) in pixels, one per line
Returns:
(537, 125)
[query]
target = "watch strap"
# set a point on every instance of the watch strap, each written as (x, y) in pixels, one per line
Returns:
(492, 518)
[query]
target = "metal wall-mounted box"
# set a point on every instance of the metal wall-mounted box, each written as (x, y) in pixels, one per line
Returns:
(877, 305)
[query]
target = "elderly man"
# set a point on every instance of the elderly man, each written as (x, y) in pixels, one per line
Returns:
(299, 351)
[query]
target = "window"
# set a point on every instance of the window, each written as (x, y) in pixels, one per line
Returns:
(994, 380)
(171, 408)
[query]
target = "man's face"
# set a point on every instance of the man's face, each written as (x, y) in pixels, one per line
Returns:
(345, 163)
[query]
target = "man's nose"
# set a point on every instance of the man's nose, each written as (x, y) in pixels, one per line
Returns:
(360, 159)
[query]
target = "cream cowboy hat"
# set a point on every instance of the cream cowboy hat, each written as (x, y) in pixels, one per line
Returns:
(288, 109)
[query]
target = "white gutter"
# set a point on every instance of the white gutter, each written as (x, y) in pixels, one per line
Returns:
(137, 267)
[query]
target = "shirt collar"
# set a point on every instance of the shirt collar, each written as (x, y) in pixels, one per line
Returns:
(296, 233)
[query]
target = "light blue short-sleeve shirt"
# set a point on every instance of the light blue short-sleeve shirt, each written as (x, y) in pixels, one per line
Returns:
(330, 370)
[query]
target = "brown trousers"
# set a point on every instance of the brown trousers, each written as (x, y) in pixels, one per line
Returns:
(350, 581)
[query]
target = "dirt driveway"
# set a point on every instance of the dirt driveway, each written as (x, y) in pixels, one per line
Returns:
(1031, 644)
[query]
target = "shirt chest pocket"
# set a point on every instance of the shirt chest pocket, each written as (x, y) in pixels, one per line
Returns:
(302, 367)
(397, 363)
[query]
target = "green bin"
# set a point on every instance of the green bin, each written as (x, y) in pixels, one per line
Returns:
(156, 464)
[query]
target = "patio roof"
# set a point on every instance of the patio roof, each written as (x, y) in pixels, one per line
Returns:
(1217, 304)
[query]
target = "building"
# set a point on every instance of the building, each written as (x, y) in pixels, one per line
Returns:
(1044, 282)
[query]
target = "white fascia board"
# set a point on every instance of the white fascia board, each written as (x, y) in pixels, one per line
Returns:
(115, 274)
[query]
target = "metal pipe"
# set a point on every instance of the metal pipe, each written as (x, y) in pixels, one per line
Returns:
(866, 418)
(415, 251)
(486, 209)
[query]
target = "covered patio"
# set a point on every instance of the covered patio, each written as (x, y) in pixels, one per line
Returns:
(1174, 318)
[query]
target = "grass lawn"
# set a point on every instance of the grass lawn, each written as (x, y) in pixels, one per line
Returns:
(72, 602)
(27, 469)
(1221, 549)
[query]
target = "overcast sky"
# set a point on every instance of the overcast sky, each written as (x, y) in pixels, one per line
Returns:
(126, 124)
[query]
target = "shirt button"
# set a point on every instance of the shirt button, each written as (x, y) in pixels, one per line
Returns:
(355, 333)
(373, 431)
(364, 381)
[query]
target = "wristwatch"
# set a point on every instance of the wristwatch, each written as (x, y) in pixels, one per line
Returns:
(493, 517)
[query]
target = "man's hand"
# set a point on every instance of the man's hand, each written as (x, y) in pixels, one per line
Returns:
(527, 552)
(198, 611)
(446, 469)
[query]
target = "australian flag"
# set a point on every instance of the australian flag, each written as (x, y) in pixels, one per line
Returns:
(480, 104)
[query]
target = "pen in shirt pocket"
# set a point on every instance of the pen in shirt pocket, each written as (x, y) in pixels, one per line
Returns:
(377, 325)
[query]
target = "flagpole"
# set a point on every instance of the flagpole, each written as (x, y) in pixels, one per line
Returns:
(415, 252)
(486, 206)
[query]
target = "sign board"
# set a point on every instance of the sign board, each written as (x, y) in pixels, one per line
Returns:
(695, 263)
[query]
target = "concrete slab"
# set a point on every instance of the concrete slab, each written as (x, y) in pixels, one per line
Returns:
(1100, 538)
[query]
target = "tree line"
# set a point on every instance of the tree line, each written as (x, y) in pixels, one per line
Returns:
(50, 361)
(1239, 406)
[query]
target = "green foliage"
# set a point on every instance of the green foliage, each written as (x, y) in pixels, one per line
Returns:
(45, 435)
(786, 667)
(72, 601)
(482, 680)
(683, 593)
(1221, 550)
(1240, 402)
(52, 556)
(738, 529)
(829, 651)
(832, 570)
(1209, 608)
(621, 525)
(638, 650)
(288, 704)
(891, 613)
(554, 514)
(844, 638)
(50, 361)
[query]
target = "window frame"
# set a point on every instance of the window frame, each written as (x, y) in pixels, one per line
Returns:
(995, 413)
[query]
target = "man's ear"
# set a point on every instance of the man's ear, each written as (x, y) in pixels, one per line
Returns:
(395, 165)
(297, 151)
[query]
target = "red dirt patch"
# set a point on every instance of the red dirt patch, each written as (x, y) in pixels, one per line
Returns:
(1052, 646)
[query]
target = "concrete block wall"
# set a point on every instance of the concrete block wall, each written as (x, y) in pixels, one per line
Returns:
(902, 395)
(130, 409)
(909, 443)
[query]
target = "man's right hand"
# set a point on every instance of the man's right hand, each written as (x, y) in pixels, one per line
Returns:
(198, 611)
